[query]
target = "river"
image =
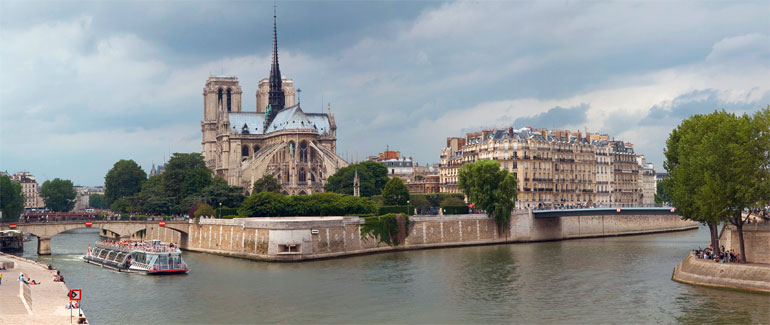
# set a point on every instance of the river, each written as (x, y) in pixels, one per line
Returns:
(603, 280)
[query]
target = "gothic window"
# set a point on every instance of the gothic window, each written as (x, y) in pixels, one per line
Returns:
(303, 151)
(228, 100)
(245, 129)
(302, 176)
(245, 151)
(219, 98)
(256, 148)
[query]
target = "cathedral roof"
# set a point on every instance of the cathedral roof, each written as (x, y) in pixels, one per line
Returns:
(286, 119)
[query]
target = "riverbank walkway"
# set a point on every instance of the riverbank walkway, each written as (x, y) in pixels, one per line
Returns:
(48, 299)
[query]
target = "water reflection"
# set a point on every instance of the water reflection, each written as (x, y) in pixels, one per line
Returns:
(609, 280)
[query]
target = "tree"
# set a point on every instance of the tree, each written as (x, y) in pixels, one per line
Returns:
(123, 180)
(59, 195)
(372, 176)
(660, 194)
(11, 199)
(97, 201)
(186, 175)
(219, 192)
(691, 161)
(452, 202)
(420, 202)
(489, 188)
(379, 173)
(120, 205)
(204, 210)
(263, 204)
(267, 183)
(395, 192)
(152, 198)
(736, 178)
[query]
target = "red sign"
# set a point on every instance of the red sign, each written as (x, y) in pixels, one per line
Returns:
(162, 223)
(12, 226)
(89, 223)
(673, 210)
(618, 210)
(75, 294)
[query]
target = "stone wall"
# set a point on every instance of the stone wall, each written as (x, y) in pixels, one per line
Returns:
(756, 241)
(303, 238)
(731, 275)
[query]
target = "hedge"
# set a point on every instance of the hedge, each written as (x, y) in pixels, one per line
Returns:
(455, 209)
(405, 209)
(269, 204)
(434, 199)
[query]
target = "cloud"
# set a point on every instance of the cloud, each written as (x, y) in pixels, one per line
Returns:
(404, 75)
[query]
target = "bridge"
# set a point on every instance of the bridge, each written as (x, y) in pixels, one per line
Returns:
(623, 211)
(44, 231)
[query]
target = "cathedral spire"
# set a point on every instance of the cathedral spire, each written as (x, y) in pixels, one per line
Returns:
(276, 97)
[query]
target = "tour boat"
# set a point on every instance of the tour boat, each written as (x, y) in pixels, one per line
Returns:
(148, 257)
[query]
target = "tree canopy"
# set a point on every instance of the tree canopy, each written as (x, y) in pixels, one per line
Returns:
(11, 199)
(267, 183)
(372, 176)
(718, 164)
(59, 195)
(490, 188)
(270, 204)
(123, 180)
(395, 192)
(97, 201)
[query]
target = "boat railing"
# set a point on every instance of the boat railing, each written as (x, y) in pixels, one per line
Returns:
(141, 247)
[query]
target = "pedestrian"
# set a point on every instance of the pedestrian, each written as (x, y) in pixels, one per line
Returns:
(1, 278)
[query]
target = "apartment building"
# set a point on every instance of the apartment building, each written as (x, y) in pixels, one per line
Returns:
(556, 168)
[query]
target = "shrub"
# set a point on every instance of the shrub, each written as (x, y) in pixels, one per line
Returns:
(405, 209)
(385, 228)
(455, 209)
(204, 210)
(268, 204)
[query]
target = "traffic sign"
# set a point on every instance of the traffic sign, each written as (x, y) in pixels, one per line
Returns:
(12, 226)
(75, 294)
(162, 223)
(618, 210)
(673, 210)
(89, 223)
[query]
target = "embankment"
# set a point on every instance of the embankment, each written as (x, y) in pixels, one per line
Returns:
(751, 277)
(307, 238)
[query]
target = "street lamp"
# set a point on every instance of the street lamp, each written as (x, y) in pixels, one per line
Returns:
(220, 210)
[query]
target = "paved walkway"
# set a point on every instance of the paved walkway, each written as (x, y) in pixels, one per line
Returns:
(49, 299)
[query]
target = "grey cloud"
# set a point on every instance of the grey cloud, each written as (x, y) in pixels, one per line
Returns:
(554, 118)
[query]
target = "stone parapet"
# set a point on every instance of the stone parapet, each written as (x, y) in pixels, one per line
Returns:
(752, 277)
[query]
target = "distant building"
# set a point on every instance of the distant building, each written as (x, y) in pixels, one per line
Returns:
(159, 170)
(647, 181)
(83, 196)
(556, 168)
(31, 190)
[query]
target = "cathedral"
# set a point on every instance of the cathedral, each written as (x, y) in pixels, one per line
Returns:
(279, 138)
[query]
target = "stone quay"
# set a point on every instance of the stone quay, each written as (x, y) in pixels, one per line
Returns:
(44, 303)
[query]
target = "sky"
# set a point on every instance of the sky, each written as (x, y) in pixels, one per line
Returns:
(85, 84)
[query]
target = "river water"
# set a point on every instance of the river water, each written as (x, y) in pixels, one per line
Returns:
(603, 280)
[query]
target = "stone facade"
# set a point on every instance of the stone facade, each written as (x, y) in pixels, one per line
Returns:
(756, 241)
(278, 138)
(31, 190)
(307, 238)
(553, 168)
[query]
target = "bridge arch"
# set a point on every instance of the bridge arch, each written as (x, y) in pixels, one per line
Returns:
(123, 229)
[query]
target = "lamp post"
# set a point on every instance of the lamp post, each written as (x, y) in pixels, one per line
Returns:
(220, 210)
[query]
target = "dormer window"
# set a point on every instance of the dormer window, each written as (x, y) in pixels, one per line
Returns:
(245, 129)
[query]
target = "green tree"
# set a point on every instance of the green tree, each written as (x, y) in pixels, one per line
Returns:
(452, 202)
(11, 199)
(59, 195)
(120, 205)
(372, 176)
(152, 198)
(205, 210)
(267, 183)
(395, 192)
(263, 204)
(689, 162)
(660, 194)
(736, 177)
(420, 202)
(123, 180)
(219, 192)
(489, 188)
(186, 175)
(97, 201)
